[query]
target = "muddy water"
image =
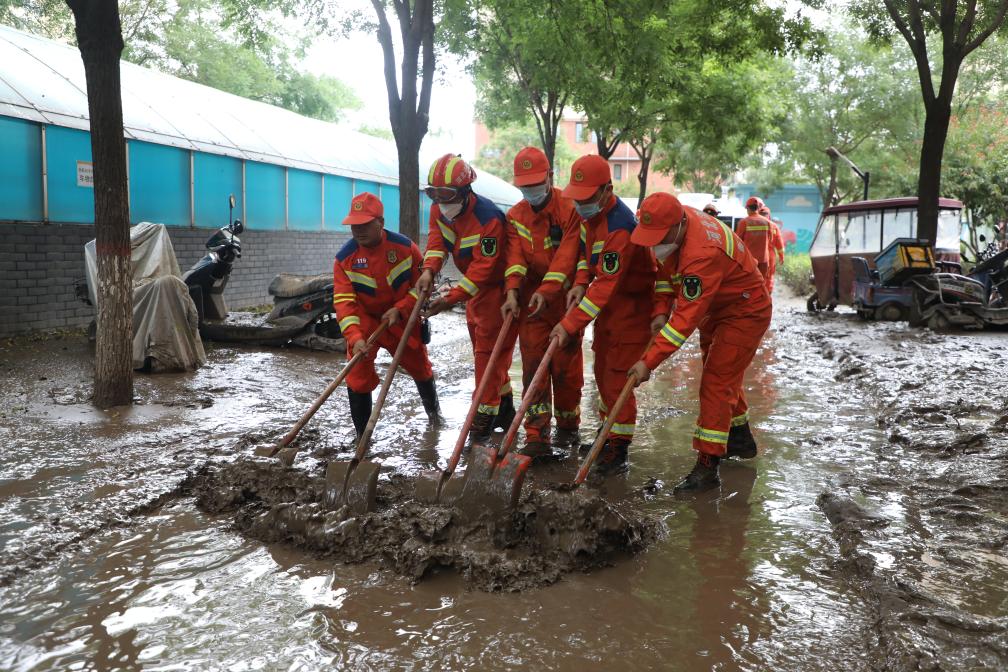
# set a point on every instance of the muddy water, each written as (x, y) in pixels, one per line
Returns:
(899, 435)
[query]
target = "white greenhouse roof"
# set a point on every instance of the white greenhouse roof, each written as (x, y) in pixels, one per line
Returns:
(43, 81)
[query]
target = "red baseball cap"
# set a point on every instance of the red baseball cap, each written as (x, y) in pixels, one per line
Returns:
(765, 211)
(658, 213)
(754, 203)
(530, 167)
(588, 173)
(364, 207)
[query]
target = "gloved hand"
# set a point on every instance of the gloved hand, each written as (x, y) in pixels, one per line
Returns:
(640, 371)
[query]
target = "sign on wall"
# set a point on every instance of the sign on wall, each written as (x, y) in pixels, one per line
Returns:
(85, 174)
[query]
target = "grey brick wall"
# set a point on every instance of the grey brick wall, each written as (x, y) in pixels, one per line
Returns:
(39, 263)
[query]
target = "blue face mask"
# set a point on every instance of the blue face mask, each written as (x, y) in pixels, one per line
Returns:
(588, 210)
(535, 195)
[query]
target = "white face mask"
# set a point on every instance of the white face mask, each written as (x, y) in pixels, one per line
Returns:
(451, 210)
(664, 251)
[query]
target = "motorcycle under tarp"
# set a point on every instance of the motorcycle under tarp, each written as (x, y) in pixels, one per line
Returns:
(165, 321)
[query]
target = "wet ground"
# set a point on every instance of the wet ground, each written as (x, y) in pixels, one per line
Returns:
(870, 534)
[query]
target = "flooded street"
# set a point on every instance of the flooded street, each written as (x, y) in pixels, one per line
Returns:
(871, 532)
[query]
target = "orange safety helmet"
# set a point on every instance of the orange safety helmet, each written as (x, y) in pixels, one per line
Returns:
(447, 177)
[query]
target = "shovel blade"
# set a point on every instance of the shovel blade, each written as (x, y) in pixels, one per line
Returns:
(352, 483)
(286, 456)
(508, 478)
(267, 451)
(428, 486)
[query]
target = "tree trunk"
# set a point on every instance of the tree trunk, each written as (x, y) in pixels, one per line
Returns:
(936, 125)
(99, 38)
(642, 176)
(409, 188)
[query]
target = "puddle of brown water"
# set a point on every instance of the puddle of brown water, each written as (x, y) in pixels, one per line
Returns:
(747, 579)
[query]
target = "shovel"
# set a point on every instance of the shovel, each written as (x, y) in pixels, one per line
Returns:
(499, 474)
(355, 482)
(431, 484)
(287, 454)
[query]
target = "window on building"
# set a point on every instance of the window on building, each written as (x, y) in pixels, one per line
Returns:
(617, 172)
(578, 131)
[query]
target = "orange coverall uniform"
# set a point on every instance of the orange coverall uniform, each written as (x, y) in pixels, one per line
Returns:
(477, 242)
(721, 292)
(542, 256)
(754, 231)
(620, 298)
(776, 254)
(367, 281)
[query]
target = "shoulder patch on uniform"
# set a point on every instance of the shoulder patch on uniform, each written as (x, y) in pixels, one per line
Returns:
(488, 246)
(610, 262)
(692, 287)
(620, 218)
(348, 249)
(398, 238)
(486, 211)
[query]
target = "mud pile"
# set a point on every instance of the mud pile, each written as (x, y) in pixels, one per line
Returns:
(547, 535)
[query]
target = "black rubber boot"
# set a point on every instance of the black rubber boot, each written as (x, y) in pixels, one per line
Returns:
(428, 395)
(537, 450)
(505, 412)
(566, 438)
(703, 477)
(612, 459)
(360, 410)
(481, 428)
(585, 448)
(741, 443)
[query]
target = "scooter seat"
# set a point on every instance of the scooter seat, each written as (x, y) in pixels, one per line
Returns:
(287, 285)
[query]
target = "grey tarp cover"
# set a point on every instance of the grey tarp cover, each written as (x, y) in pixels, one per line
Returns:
(165, 322)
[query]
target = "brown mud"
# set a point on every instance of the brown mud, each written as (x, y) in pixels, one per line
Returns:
(548, 534)
(870, 534)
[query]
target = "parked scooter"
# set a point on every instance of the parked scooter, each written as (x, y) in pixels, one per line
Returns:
(209, 276)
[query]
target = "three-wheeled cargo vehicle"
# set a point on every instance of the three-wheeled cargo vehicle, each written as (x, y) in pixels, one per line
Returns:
(863, 229)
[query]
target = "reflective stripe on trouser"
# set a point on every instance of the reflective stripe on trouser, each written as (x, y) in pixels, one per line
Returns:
(364, 378)
(728, 348)
(483, 317)
(622, 331)
(566, 371)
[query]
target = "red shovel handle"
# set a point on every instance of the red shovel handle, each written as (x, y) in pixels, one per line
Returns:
(478, 394)
(606, 428)
(296, 429)
(389, 375)
(527, 396)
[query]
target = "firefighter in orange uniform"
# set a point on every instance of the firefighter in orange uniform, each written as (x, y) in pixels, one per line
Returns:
(721, 292)
(776, 252)
(754, 231)
(373, 278)
(470, 228)
(542, 254)
(614, 286)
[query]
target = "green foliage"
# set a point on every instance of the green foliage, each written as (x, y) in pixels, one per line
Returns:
(795, 273)
(497, 156)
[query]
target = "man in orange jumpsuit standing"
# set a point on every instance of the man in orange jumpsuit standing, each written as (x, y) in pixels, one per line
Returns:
(542, 254)
(471, 229)
(615, 288)
(721, 292)
(373, 277)
(776, 252)
(754, 231)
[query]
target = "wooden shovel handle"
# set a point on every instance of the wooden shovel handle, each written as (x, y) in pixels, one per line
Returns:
(607, 425)
(389, 375)
(296, 429)
(478, 394)
(528, 394)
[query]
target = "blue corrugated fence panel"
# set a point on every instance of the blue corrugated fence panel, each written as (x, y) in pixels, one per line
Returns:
(390, 201)
(159, 184)
(304, 195)
(360, 186)
(338, 192)
(264, 187)
(216, 178)
(20, 170)
(69, 199)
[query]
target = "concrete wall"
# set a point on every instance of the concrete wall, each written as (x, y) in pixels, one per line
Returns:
(39, 263)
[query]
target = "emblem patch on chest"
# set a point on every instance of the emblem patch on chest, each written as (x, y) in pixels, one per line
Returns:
(692, 288)
(610, 262)
(360, 262)
(391, 256)
(488, 246)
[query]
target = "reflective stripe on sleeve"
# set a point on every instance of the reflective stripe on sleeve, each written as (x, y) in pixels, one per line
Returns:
(588, 307)
(673, 336)
(469, 286)
(347, 321)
